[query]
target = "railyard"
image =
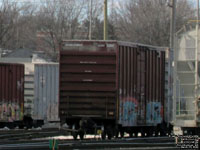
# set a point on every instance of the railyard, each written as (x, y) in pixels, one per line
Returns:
(110, 88)
(38, 139)
(68, 86)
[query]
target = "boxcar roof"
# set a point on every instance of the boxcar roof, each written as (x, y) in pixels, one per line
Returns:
(122, 43)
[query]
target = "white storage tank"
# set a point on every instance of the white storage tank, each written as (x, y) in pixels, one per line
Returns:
(187, 107)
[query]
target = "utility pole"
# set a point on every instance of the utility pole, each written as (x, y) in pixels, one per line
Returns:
(90, 29)
(172, 60)
(172, 23)
(105, 20)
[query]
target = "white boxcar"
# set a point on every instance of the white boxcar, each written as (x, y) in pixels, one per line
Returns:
(46, 84)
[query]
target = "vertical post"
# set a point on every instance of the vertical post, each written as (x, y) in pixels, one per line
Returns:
(172, 57)
(105, 20)
(172, 23)
(90, 28)
(18, 34)
(196, 60)
(179, 95)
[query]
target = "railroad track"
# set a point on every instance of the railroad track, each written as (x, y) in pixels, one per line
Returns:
(13, 136)
(129, 143)
(19, 135)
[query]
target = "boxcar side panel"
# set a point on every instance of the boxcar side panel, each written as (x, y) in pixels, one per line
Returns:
(46, 83)
(128, 114)
(11, 92)
(141, 85)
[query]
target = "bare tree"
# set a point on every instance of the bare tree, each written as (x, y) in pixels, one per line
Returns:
(15, 19)
(26, 27)
(148, 21)
(8, 18)
(57, 20)
(97, 22)
(44, 25)
(96, 15)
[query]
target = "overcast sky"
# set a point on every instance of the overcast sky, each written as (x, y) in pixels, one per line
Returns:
(114, 1)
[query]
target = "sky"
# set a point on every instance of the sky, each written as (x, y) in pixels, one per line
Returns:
(38, 1)
(115, 2)
(110, 2)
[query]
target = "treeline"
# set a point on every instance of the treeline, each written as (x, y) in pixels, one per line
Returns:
(42, 24)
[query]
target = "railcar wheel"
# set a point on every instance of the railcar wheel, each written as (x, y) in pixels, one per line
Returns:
(150, 133)
(110, 132)
(156, 132)
(81, 134)
(109, 136)
(136, 134)
(131, 134)
(103, 136)
(142, 133)
(169, 132)
(162, 133)
(75, 134)
(121, 134)
(116, 134)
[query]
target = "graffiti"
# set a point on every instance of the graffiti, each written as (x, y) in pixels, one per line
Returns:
(10, 112)
(130, 114)
(52, 112)
(128, 111)
(154, 113)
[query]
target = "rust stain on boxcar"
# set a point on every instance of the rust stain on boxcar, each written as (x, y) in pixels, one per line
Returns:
(11, 92)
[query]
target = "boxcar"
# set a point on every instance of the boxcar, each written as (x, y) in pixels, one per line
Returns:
(11, 93)
(46, 85)
(116, 86)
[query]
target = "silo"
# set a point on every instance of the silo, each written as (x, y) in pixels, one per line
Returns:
(186, 80)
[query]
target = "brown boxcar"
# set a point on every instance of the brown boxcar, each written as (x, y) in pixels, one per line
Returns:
(113, 83)
(11, 92)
